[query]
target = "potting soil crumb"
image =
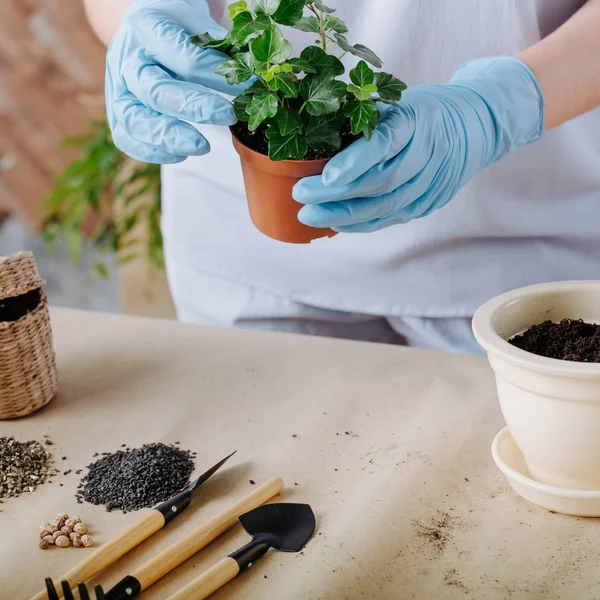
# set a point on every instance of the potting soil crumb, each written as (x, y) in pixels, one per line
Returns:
(572, 340)
(23, 466)
(136, 478)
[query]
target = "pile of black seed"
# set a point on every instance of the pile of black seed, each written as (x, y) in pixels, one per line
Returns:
(23, 466)
(570, 339)
(136, 478)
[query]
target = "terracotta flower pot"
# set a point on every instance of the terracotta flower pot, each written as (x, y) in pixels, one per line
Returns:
(269, 186)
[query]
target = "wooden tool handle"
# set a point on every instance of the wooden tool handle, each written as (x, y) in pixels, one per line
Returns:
(209, 582)
(110, 552)
(197, 539)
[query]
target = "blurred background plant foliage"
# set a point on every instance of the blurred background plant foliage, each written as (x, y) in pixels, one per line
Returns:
(108, 198)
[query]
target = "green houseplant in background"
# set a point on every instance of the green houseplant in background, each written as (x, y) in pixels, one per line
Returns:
(107, 197)
(296, 112)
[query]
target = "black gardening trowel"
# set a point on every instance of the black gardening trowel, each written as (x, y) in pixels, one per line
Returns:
(285, 527)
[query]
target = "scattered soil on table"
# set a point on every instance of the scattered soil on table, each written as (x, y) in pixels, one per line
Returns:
(137, 478)
(12, 309)
(257, 141)
(437, 531)
(451, 579)
(572, 340)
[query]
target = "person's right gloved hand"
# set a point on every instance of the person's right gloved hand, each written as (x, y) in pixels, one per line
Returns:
(156, 79)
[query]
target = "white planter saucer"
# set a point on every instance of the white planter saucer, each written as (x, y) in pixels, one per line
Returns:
(509, 460)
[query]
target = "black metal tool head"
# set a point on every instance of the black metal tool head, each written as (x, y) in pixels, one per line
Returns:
(198, 482)
(284, 526)
(68, 594)
(52, 593)
(66, 590)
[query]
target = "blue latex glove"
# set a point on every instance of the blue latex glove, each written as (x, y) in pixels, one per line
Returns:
(156, 79)
(427, 148)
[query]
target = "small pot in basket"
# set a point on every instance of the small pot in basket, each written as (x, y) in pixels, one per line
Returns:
(28, 376)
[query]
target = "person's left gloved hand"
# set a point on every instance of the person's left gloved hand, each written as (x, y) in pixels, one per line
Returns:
(425, 149)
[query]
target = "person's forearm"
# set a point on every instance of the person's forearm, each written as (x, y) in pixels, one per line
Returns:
(567, 65)
(105, 16)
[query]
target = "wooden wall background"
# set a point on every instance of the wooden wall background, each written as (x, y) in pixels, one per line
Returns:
(51, 85)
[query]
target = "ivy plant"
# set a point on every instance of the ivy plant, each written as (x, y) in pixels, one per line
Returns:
(300, 102)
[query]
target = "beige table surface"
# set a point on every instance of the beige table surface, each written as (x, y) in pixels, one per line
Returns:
(408, 501)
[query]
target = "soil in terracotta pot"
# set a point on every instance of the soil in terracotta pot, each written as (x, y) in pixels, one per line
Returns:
(12, 309)
(570, 339)
(257, 141)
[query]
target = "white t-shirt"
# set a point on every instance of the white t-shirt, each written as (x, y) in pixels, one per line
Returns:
(532, 217)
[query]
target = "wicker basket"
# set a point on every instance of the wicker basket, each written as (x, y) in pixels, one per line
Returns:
(28, 377)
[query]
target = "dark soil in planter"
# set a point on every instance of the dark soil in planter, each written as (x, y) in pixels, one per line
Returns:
(12, 309)
(568, 340)
(257, 141)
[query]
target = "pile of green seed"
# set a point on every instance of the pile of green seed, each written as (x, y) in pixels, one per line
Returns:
(23, 466)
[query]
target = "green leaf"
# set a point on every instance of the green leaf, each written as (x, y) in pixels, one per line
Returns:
(322, 93)
(258, 64)
(287, 121)
(321, 61)
(50, 237)
(362, 74)
(240, 104)
(289, 12)
(288, 147)
(322, 7)
(116, 242)
(335, 24)
(260, 108)
(364, 117)
(245, 26)
(299, 65)
(286, 68)
(202, 39)
(266, 7)
(205, 40)
(123, 260)
(323, 133)
(269, 74)
(362, 93)
(237, 8)
(74, 243)
(237, 70)
(101, 270)
(271, 46)
(223, 45)
(129, 222)
(286, 83)
(257, 88)
(309, 24)
(390, 88)
(358, 50)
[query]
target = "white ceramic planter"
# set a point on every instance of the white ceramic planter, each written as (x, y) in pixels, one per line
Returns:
(552, 407)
